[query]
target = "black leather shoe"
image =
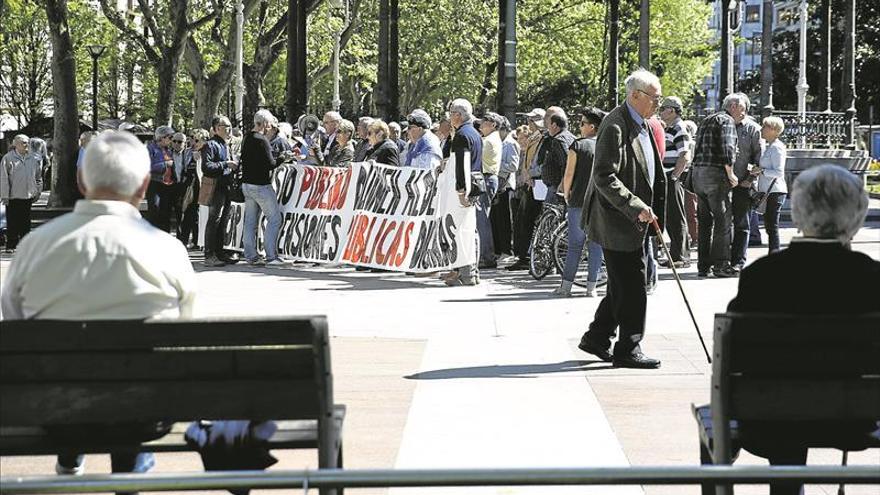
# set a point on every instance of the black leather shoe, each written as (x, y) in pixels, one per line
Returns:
(703, 273)
(637, 360)
(726, 272)
(519, 265)
(589, 346)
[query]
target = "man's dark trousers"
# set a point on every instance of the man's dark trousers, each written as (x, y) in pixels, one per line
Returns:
(742, 210)
(18, 221)
(714, 218)
(624, 303)
(161, 200)
(217, 214)
(676, 220)
(529, 209)
(500, 217)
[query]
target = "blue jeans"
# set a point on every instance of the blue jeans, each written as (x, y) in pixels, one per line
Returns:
(260, 198)
(650, 263)
(771, 219)
(576, 239)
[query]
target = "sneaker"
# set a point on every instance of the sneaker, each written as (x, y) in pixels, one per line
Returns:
(258, 261)
(213, 261)
(457, 282)
(519, 265)
(562, 292)
(277, 263)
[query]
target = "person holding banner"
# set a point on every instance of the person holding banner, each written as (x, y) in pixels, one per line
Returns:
(383, 150)
(467, 140)
(424, 152)
(257, 165)
(342, 154)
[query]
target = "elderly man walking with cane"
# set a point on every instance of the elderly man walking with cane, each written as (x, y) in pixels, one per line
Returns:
(627, 193)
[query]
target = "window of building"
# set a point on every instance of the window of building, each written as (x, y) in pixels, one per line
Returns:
(753, 13)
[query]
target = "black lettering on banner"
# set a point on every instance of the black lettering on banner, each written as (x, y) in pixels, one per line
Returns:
(312, 236)
(429, 180)
(409, 207)
(435, 245)
(285, 182)
(394, 185)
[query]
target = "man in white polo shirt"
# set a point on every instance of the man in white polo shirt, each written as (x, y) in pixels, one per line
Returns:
(102, 261)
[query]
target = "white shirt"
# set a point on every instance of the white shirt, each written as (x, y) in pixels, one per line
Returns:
(102, 261)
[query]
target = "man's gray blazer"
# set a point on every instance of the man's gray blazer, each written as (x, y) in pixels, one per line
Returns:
(619, 187)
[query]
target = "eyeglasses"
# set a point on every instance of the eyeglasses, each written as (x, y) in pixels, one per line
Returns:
(655, 98)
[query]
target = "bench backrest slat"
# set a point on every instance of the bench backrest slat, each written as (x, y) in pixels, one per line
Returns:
(797, 367)
(54, 372)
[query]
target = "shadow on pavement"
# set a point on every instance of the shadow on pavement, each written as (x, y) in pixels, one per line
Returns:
(511, 370)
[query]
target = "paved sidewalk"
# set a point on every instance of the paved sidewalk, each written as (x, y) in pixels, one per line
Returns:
(490, 376)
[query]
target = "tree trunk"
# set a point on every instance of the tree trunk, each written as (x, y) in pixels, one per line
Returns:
(64, 140)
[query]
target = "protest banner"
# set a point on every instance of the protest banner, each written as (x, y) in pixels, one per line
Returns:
(368, 214)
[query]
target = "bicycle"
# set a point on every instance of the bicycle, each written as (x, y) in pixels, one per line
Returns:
(542, 245)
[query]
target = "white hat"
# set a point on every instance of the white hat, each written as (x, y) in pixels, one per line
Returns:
(536, 114)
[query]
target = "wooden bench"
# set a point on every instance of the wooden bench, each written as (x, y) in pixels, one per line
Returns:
(790, 368)
(102, 372)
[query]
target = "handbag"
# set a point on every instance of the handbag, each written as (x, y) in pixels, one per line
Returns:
(759, 198)
(234, 191)
(206, 191)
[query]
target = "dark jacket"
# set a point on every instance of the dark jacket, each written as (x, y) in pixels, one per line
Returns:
(362, 150)
(386, 153)
(215, 154)
(340, 156)
(619, 188)
(257, 162)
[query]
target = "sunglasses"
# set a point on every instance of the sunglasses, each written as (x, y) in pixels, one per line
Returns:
(178, 141)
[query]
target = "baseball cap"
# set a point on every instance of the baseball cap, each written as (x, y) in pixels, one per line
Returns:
(536, 114)
(672, 102)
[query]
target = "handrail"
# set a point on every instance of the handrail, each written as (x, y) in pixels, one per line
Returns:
(372, 478)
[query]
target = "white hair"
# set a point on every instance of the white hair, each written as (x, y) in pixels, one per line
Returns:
(116, 162)
(285, 129)
(462, 107)
(394, 126)
(21, 138)
(739, 99)
(162, 131)
(828, 202)
(264, 117)
(640, 80)
(333, 116)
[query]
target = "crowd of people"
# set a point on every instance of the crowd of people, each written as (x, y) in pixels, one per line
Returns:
(716, 177)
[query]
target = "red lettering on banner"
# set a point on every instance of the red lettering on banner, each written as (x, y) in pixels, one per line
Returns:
(306, 184)
(398, 260)
(379, 255)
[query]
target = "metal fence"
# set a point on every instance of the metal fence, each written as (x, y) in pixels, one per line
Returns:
(377, 478)
(819, 129)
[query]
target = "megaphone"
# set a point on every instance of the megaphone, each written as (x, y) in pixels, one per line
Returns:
(308, 124)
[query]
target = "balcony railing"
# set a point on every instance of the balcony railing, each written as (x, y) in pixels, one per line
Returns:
(819, 129)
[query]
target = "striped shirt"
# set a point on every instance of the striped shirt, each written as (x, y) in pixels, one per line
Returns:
(678, 141)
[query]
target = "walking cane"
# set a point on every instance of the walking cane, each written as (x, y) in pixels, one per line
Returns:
(680, 287)
(841, 490)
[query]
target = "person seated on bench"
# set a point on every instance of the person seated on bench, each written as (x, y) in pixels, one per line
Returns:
(103, 261)
(817, 274)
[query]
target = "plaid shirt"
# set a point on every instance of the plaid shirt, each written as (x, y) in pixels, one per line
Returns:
(716, 142)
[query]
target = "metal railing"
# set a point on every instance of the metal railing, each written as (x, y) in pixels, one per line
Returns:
(379, 478)
(819, 129)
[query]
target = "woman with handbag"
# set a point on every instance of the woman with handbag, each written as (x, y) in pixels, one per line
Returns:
(771, 180)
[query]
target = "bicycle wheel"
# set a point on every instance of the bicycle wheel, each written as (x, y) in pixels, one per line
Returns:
(541, 256)
(560, 251)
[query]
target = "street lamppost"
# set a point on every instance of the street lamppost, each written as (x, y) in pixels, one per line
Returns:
(95, 51)
(337, 5)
